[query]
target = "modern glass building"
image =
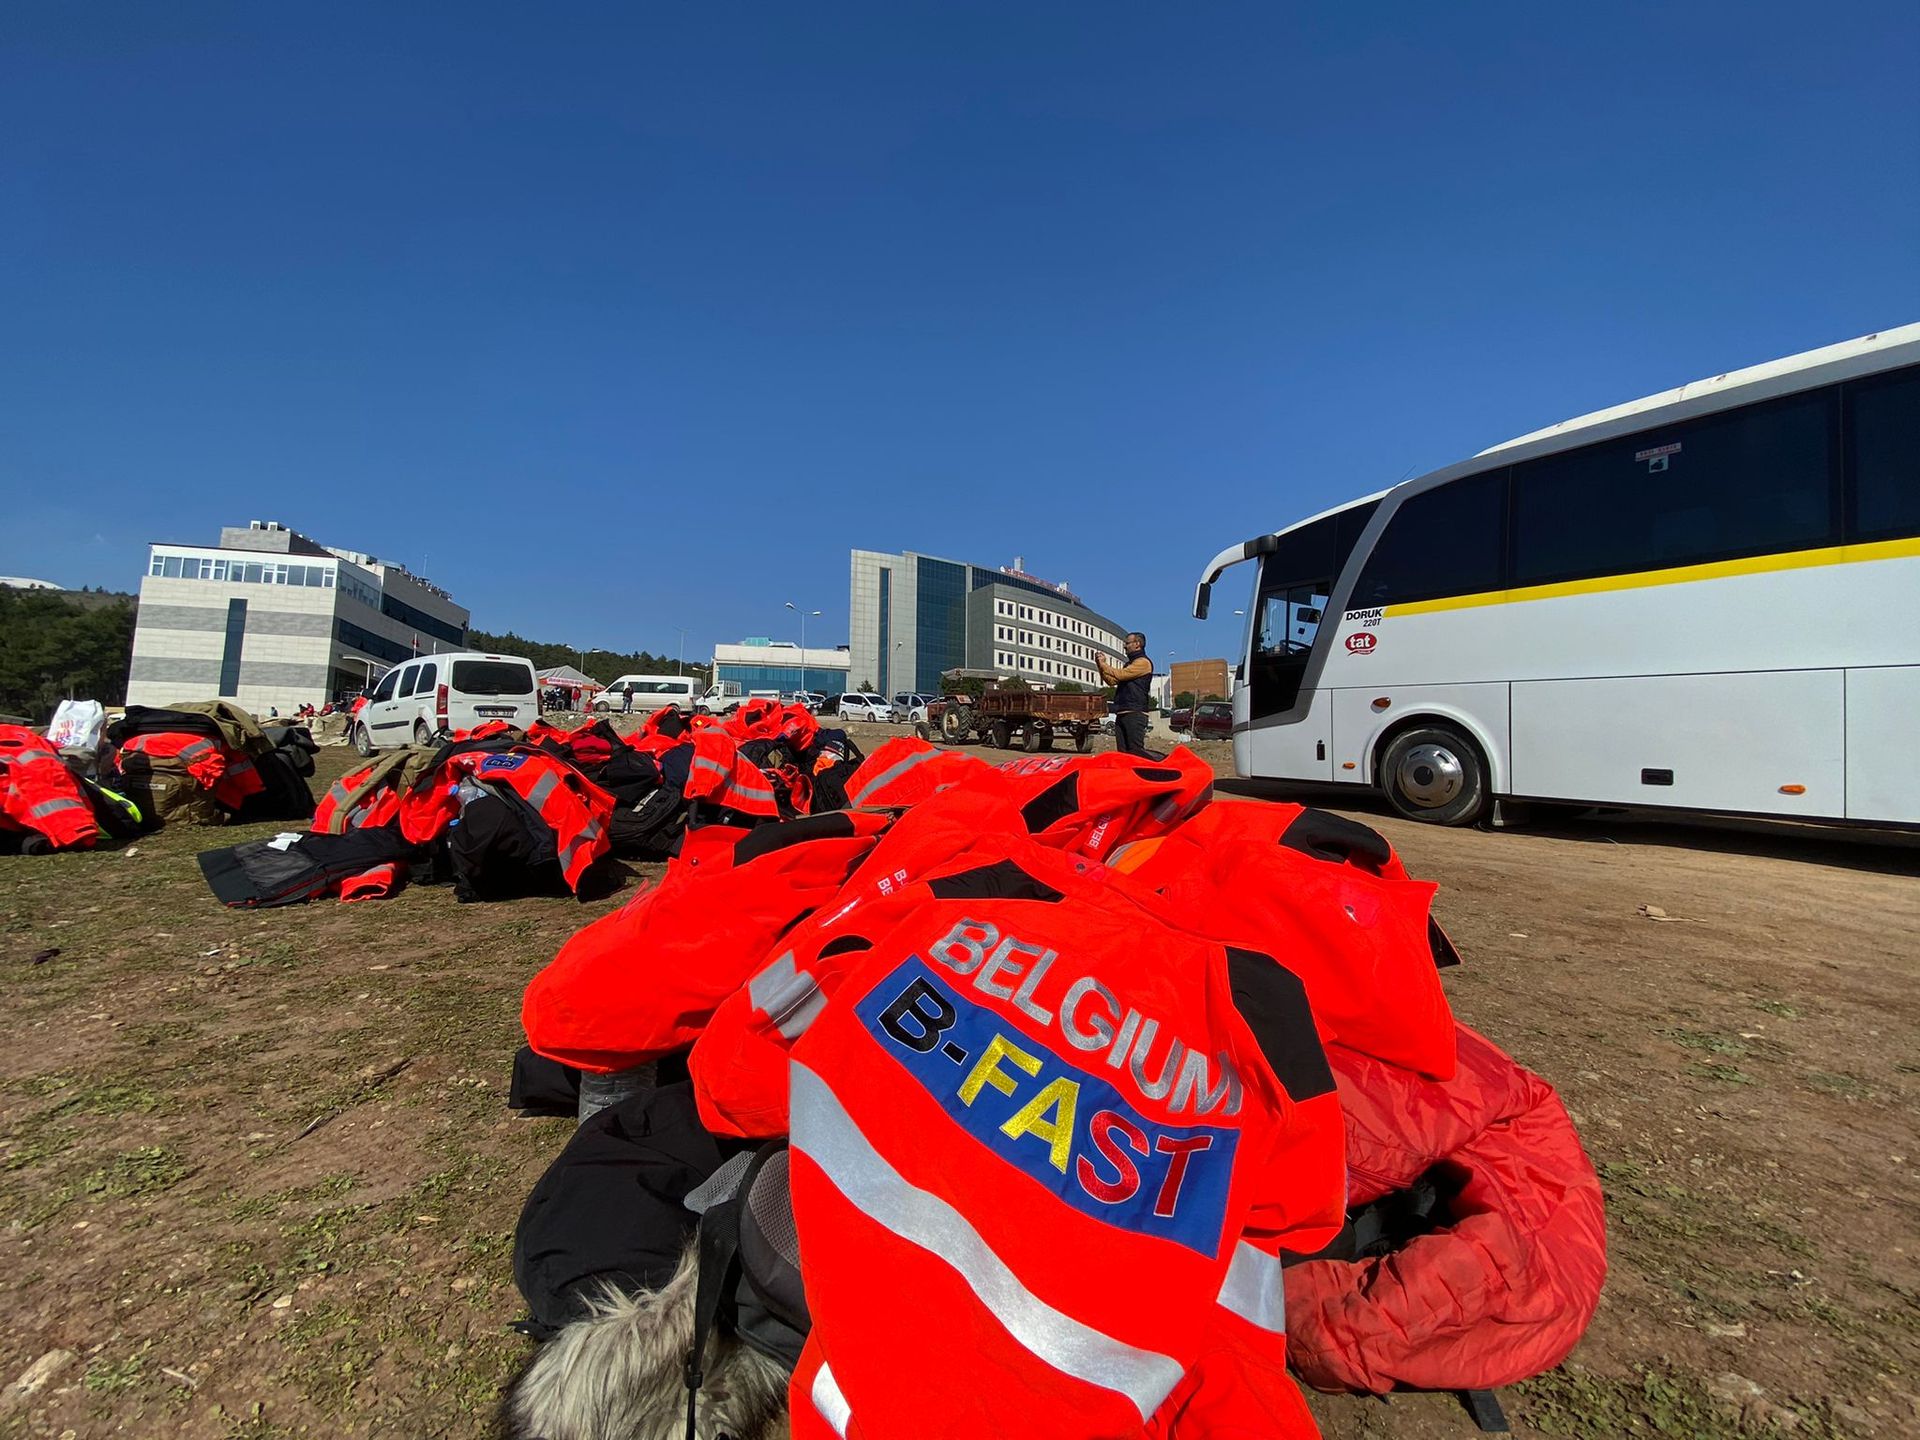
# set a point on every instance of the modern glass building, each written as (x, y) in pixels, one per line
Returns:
(762, 664)
(914, 616)
(270, 618)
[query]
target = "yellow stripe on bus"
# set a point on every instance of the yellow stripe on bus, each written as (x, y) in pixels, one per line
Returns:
(1678, 575)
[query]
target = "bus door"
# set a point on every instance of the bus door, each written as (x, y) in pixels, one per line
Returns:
(1289, 728)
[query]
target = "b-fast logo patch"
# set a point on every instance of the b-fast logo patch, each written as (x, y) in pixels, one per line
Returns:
(495, 763)
(1069, 1129)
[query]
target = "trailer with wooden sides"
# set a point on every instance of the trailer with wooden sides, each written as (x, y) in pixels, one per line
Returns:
(1030, 720)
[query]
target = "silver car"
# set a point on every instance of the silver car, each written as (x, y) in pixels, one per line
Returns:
(907, 703)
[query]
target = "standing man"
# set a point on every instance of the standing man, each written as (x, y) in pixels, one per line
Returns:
(1130, 700)
(626, 698)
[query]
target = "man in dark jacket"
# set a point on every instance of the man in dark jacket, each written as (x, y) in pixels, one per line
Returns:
(1130, 699)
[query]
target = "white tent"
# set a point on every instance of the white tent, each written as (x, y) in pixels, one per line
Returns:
(566, 677)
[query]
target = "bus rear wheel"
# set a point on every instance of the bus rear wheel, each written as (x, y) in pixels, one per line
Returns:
(1434, 773)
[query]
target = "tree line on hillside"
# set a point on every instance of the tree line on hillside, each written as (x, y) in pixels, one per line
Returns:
(601, 665)
(53, 645)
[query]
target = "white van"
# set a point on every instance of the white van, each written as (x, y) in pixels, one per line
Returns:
(720, 699)
(650, 693)
(862, 706)
(418, 698)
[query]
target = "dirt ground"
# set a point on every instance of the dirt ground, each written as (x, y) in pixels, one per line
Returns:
(257, 1178)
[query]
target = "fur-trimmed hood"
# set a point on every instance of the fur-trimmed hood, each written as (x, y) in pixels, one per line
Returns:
(617, 1374)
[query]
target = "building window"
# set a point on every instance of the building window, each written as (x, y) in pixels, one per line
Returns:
(886, 629)
(420, 620)
(940, 620)
(230, 653)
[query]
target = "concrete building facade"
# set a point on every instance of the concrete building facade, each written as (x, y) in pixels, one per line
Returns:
(913, 617)
(1202, 677)
(269, 618)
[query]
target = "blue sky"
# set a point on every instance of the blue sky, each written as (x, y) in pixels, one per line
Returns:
(615, 319)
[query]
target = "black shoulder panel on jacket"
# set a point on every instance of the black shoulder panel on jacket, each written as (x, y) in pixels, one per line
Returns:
(765, 839)
(1056, 802)
(1336, 838)
(845, 945)
(1003, 880)
(1273, 1002)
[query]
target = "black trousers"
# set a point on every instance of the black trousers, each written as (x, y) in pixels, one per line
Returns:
(1130, 733)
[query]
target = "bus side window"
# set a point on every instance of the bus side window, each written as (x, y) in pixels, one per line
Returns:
(1754, 481)
(1450, 540)
(1883, 447)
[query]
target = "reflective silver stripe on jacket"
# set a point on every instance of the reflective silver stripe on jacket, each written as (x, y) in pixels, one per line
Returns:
(195, 750)
(52, 807)
(589, 833)
(827, 1135)
(828, 1400)
(731, 784)
(339, 796)
(543, 789)
(736, 786)
(787, 995)
(1254, 1289)
(892, 773)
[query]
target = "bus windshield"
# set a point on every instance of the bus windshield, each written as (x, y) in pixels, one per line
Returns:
(1296, 581)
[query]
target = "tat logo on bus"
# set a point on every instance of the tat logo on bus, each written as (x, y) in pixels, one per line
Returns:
(1363, 643)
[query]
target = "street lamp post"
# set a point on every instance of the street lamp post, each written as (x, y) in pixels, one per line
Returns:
(680, 661)
(803, 642)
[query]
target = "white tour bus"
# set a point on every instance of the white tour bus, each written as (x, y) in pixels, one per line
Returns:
(1705, 600)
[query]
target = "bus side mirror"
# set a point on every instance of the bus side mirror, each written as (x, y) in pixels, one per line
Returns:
(1202, 597)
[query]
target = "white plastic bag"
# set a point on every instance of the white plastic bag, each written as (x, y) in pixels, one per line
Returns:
(77, 725)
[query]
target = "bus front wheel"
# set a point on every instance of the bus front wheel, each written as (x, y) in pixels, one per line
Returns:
(1434, 773)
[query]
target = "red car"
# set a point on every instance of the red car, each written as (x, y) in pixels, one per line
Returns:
(1212, 720)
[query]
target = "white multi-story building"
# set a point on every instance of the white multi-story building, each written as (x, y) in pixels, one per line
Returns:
(268, 618)
(914, 617)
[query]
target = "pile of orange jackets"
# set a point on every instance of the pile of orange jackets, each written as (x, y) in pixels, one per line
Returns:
(1076, 1063)
(422, 793)
(39, 796)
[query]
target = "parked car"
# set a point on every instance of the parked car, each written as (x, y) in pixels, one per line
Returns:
(1181, 719)
(906, 702)
(1213, 720)
(650, 693)
(850, 706)
(812, 699)
(419, 698)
